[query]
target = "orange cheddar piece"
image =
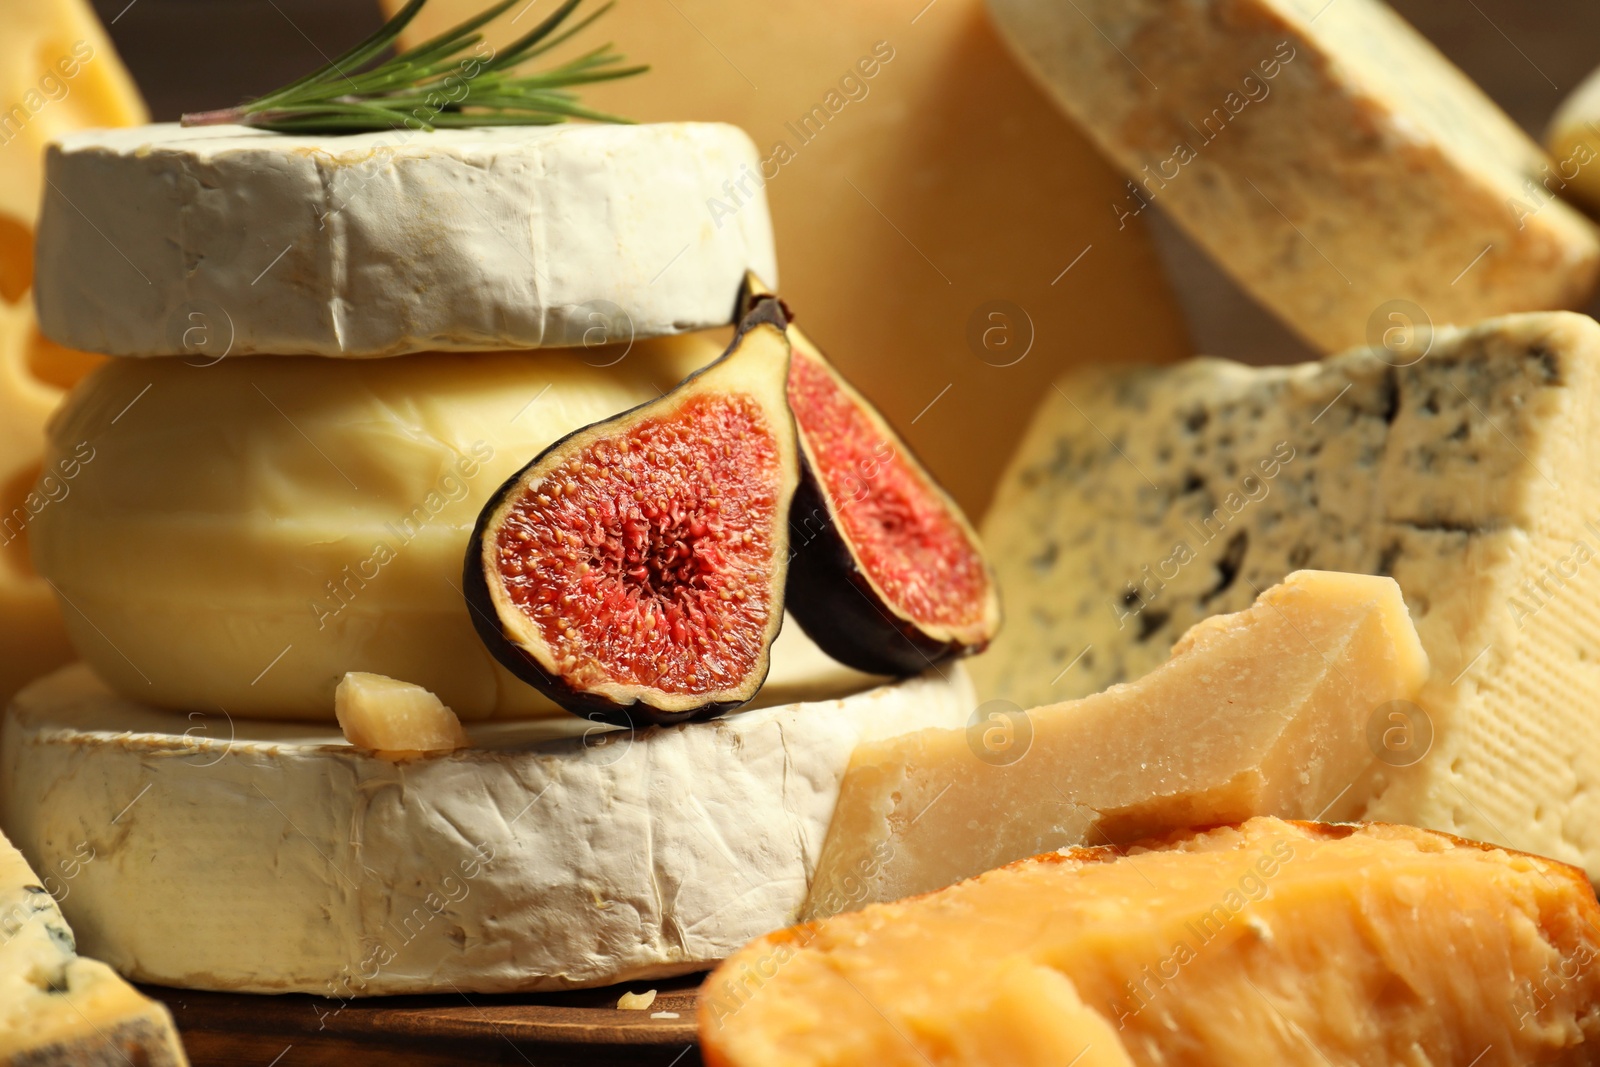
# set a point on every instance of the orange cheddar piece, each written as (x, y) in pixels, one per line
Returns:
(1270, 942)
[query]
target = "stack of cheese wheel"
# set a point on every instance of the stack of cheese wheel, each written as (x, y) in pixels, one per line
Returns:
(328, 352)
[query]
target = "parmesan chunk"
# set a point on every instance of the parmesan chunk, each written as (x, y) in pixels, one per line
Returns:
(1263, 712)
(392, 716)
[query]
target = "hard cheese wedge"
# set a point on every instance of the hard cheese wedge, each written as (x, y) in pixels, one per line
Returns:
(58, 1009)
(1263, 712)
(1324, 153)
(1145, 500)
(551, 854)
(1270, 943)
(58, 74)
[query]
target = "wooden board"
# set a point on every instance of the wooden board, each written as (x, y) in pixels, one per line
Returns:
(547, 1029)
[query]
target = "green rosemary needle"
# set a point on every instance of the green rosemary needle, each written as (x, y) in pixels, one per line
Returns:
(452, 80)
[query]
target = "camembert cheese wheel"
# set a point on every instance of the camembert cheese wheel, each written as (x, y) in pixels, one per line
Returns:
(548, 855)
(163, 240)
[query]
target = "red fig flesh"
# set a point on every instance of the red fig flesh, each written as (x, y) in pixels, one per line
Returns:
(886, 573)
(634, 571)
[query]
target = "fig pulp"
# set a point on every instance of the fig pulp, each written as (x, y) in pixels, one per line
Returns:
(885, 573)
(634, 571)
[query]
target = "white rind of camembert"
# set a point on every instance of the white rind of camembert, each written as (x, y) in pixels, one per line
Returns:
(162, 240)
(551, 855)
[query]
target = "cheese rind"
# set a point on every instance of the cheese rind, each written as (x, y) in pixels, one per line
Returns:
(1271, 942)
(375, 244)
(59, 1009)
(1326, 155)
(549, 855)
(242, 535)
(1470, 475)
(1264, 712)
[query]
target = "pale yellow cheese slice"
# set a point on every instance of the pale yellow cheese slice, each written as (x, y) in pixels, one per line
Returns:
(1298, 944)
(58, 73)
(1264, 712)
(940, 228)
(59, 1009)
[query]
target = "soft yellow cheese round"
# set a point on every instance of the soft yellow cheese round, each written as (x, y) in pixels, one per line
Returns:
(240, 535)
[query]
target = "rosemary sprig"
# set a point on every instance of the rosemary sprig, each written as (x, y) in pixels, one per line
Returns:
(433, 84)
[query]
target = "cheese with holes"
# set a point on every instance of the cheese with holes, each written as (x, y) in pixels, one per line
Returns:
(58, 74)
(1325, 154)
(915, 176)
(1462, 463)
(57, 1008)
(374, 244)
(550, 854)
(1300, 944)
(241, 534)
(1265, 712)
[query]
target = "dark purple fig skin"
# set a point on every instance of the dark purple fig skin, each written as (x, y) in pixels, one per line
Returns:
(485, 619)
(837, 606)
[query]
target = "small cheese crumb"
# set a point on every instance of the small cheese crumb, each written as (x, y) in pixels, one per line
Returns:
(394, 717)
(663, 1015)
(636, 1001)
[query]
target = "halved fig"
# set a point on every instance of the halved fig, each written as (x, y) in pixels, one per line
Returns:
(886, 574)
(634, 571)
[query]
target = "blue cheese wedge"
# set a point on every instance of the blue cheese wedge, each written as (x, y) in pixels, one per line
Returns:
(57, 1008)
(1147, 499)
(161, 240)
(1322, 151)
(551, 854)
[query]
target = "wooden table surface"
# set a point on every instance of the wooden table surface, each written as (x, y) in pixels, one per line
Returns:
(549, 1030)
